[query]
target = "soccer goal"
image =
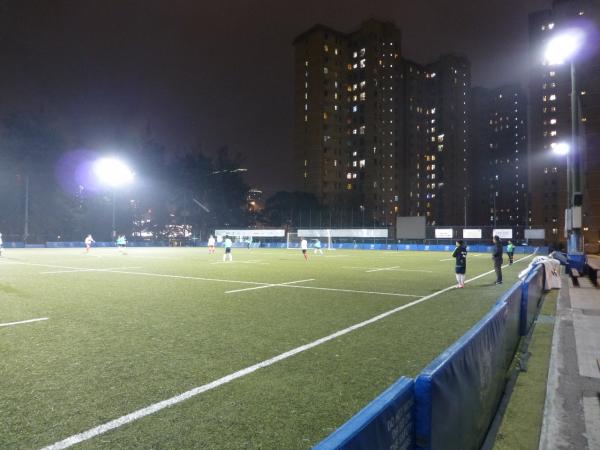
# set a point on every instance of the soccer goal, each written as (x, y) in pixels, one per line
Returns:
(293, 241)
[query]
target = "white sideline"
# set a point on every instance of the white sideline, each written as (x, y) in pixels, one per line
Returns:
(9, 324)
(151, 409)
(268, 286)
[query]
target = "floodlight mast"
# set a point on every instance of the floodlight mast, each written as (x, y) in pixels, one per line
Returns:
(113, 173)
(560, 49)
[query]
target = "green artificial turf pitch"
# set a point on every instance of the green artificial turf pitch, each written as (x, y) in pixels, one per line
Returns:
(127, 331)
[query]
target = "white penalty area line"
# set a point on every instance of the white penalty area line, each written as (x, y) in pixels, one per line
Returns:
(151, 409)
(391, 269)
(87, 270)
(217, 280)
(269, 286)
(10, 324)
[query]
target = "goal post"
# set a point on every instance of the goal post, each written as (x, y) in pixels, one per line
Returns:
(293, 240)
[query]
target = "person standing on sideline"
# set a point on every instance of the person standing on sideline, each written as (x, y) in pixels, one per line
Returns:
(497, 257)
(228, 244)
(460, 254)
(211, 245)
(510, 251)
(304, 248)
(318, 249)
(88, 241)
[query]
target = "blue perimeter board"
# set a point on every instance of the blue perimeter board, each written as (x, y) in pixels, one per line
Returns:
(456, 396)
(386, 422)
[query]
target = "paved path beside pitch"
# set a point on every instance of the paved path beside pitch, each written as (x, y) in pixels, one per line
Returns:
(572, 409)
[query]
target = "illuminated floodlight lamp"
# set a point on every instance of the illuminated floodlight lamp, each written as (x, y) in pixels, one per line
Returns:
(563, 47)
(113, 172)
(561, 148)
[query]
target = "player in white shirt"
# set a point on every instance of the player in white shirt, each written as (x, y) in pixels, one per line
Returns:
(211, 245)
(88, 241)
(304, 248)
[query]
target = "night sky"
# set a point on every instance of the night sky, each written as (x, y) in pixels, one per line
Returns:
(206, 75)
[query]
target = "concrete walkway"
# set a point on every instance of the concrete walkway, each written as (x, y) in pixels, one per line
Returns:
(572, 409)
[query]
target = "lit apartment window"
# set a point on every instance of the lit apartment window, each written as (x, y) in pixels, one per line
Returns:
(552, 97)
(361, 163)
(306, 63)
(553, 133)
(354, 108)
(363, 96)
(362, 129)
(326, 48)
(552, 73)
(336, 51)
(550, 26)
(363, 51)
(355, 54)
(363, 63)
(325, 70)
(552, 121)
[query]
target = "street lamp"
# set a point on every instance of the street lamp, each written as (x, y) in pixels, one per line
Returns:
(561, 148)
(113, 173)
(560, 49)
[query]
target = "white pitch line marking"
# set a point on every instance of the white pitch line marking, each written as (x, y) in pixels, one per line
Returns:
(447, 259)
(392, 269)
(9, 324)
(88, 270)
(183, 277)
(151, 409)
(269, 285)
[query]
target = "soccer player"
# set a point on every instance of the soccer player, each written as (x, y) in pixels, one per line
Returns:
(122, 243)
(510, 251)
(460, 254)
(318, 249)
(304, 247)
(497, 257)
(88, 241)
(211, 245)
(228, 244)
(248, 242)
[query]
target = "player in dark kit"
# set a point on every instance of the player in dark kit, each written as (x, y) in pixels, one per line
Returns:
(460, 254)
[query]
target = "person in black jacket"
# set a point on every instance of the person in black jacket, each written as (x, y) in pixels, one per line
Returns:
(460, 254)
(497, 257)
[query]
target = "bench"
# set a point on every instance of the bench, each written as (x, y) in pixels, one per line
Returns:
(592, 266)
(574, 273)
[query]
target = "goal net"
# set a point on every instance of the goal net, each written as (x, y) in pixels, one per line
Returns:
(293, 241)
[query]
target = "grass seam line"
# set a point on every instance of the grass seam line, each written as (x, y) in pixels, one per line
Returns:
(9, 324)
(155, 407)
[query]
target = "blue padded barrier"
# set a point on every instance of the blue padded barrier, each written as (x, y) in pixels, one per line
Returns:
(533, 289)
(14, 245)
(457, 394)
(386, 422)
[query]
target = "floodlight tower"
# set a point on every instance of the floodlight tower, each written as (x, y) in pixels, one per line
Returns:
(560, 49)
(113, 173)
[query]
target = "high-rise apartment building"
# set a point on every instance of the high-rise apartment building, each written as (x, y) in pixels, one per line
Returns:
(378, 131)
(550, 118)
(500, 157)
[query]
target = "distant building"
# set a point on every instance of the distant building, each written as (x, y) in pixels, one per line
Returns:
(500, 157)
(255, 200)
(550, 120)
(376, 131)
